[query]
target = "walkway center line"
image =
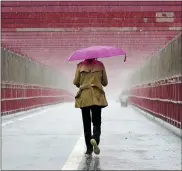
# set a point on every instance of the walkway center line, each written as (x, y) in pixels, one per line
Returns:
(76, 156)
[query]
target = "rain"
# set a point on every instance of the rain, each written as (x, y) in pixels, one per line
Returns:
(141, 126)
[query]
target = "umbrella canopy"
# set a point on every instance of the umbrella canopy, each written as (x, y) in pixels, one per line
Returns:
(96, 52)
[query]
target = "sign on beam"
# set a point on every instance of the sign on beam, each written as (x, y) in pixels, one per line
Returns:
(165, 17)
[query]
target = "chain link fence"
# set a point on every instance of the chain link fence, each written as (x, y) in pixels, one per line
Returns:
(17, 69)
(26, 84)
(164, 64)
(156, 87)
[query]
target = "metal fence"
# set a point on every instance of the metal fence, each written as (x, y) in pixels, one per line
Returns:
(157, 86)
(18, 69)
(164, 64)
(26, 84)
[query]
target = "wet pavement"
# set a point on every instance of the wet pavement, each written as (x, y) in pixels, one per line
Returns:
(52, 139)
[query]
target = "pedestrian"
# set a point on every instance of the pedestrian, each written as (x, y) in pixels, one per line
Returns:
(90, 77)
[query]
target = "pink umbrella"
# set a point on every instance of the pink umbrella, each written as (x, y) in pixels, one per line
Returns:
(96, 52)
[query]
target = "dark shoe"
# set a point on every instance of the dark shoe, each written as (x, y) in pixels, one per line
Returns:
(89, 151)
(95, 146)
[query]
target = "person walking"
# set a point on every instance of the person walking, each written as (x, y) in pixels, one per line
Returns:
(90, 77)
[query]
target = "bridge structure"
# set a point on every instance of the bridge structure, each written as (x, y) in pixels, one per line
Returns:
(37, 39)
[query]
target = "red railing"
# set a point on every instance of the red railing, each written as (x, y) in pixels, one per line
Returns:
(162, 99)
(20, 97)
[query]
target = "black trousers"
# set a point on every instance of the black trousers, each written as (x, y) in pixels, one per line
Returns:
(95, 118)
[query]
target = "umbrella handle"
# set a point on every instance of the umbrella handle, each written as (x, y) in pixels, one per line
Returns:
(125, 58)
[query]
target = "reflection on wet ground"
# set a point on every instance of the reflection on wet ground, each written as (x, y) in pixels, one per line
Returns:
(90, 162)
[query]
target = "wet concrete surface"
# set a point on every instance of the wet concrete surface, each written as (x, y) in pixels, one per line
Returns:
(43, 141)
(129, 141)
(133, 142)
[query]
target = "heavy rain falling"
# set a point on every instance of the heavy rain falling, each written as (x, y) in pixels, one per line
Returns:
(48, 102)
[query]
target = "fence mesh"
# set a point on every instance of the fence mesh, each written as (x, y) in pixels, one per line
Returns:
(26, 84)
(157, 86)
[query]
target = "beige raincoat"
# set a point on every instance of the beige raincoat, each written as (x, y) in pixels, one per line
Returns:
(90, 79)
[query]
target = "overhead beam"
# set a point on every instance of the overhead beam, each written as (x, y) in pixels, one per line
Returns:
(92, 29)
(87, 20)
(99, 31)
(109, 15)
(96, 8)
(89, 23)
(71, 48)
(86, 3)
(85, 39)
(81, 42)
